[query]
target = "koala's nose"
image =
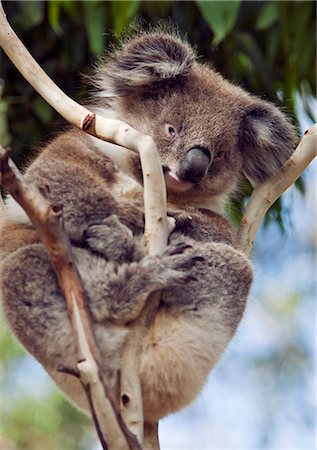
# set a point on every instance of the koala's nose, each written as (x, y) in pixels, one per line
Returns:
(194, 166)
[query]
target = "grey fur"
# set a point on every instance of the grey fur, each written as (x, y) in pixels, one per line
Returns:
(150, 60)
(156, 86)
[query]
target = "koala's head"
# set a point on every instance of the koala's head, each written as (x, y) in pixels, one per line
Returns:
(206, 129)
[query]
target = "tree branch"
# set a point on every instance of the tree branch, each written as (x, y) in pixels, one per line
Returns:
(47, 219)
(111, 130)
(264, 195)
(157, 227)
(2, 210)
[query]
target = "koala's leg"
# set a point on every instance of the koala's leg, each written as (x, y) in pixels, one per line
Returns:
(35, 308)
(192, 329)
(114, 241)
(117, 293)
(36, 311)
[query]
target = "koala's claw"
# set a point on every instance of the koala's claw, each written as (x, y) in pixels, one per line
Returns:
(199, 258)
(191, 261)
(191, 278)
(174, 267)
(176, 249)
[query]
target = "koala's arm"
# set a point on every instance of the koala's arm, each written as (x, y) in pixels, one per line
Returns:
(222, 268)
(202, 225)
(77, 176)
(223, 278)
(114, 241)
(37, 312)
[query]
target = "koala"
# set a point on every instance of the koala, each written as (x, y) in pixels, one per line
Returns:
(208, 133)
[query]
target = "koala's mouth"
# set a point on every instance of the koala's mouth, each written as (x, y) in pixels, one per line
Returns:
(173, 182)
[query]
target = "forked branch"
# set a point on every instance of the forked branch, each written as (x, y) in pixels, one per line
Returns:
(157, 229)
(47, 219)
(156, 224)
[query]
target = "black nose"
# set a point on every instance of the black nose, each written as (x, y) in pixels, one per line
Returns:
(194, 166)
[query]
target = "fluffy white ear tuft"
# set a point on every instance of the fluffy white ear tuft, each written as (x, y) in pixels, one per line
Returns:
(144, 62)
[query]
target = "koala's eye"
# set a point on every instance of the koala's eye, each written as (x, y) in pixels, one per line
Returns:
(171, 130)
(220, 154)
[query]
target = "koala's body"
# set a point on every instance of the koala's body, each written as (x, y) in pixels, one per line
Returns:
(207, 132)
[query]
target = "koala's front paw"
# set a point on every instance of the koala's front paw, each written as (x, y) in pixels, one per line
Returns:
(174, 266)
(111, 239)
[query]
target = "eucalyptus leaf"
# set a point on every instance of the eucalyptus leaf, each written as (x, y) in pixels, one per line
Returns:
(72, 9)
(221, 16)
(95, 24)
(299, 184)
(54, 12)
(268, 17)
(123, 12)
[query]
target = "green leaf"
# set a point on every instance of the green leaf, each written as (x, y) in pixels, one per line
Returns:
(249, 45)
(123, 12)
(54, 11)
(244, 63)
(268, 16)
(299, 184)
(95, 24)
(221, 16)
(72, 9)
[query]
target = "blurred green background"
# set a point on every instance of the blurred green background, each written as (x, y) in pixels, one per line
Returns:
(268, 47)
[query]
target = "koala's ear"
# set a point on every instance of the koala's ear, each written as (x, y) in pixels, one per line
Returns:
(143, 62)
(266, 141)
